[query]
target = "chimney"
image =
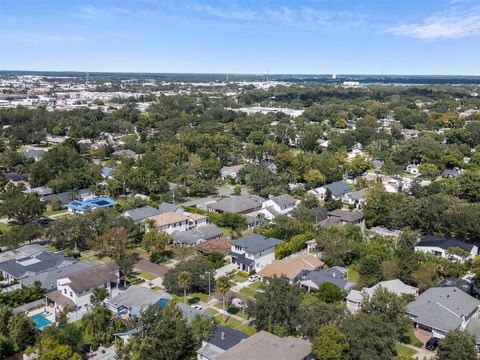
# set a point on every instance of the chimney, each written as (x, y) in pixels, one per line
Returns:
(222, 335)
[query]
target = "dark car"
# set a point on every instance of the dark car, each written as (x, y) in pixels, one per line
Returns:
(432, 344)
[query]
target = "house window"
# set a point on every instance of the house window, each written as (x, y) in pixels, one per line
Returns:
(64, 291)
(71, 294)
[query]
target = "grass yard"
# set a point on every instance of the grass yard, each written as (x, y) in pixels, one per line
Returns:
(146, 275)
(405, 351)
(199, 296)
(353, 275)
(413, 339)
(4, 228)
(235, 324)
(240, 277)
(55, 212)
(251, 290)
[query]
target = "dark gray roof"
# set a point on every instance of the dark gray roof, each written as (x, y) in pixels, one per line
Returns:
(14, 176)
(93, 277)
(346, 215)
(49, 279)
(191, 237)
(321, 213)
(22, 252)
(444, 243)
(237, 204)
(230, 338)
(240, 258)
(358, 195)
(321, 277)
(283, 200)
(65, 198)
(255, 243)
(139, 214)
(35, 264)
(331, 221)
(338, 188)
(442, 307)
(462, 284)
(167, 207)
(336, 271)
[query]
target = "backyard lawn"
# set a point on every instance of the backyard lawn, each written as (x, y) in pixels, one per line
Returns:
(353, 275)
(146, 275)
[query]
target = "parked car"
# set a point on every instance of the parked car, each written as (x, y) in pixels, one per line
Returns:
(432, 344)
(196, 306)
(253, 278)
(238, 303)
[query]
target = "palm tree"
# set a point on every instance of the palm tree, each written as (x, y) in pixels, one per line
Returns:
(223, 286)
(98, 295)
(184, 279)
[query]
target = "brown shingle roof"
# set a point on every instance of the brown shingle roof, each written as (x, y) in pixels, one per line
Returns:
(168, 218)
(58, 298)
(291, 267)
(222, 245)
(93, 277)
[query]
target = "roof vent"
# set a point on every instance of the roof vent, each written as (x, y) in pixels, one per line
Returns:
(222, 335)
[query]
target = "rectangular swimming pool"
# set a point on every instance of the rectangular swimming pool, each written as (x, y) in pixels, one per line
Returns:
(40, 321)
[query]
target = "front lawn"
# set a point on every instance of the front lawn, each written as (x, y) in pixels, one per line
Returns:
(146, 275)
(251, 290)
(235, 324)
(405, 351)
(412, 339)
(240, 277)
(4, 228)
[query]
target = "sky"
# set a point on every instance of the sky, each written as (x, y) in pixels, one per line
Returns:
(428, 37)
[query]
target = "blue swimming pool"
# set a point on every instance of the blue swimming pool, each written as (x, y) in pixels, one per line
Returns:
(40, 321)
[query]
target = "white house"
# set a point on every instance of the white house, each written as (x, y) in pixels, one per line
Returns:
(355, 298)
(74, 291)
(253, 252)
(230, 171)
(278, 205)
(338, 189)
(170, 221)
(412, 169)
(440, 247)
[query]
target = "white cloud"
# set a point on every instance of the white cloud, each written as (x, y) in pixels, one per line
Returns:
(225, 13)
(451, 24)
(42, 38)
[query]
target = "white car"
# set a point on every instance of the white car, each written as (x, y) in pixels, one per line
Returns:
(196, 306)
(253, 278)
(238, 303)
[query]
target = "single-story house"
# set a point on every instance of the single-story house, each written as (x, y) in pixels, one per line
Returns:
(83, 206)
(294, 268)
(315, 279)
(263, 346)
(439, 246)
(135, 299)
(355, 298)
(223, 338)
(165, 207)
(237, 204)
(337, 189)
(344, 217)
(196, 236)
(443, 309)
(140, 214)
(189, 312)
(64, 198)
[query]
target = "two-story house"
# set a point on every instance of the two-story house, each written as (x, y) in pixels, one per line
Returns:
(254, 252)
(75, 290)
(171, 221)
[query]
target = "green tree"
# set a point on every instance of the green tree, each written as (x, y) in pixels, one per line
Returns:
(457, 345)
(202, 328)
(155, 243)
(277, 306)
(49, 349)
(315, 314)
(330, 344)
(365, 339)
(23, 208)
(164, 335)
(184, 280)
(99, 294)
(330, 293)
(96, 324)
(223, 286)
(201, 271)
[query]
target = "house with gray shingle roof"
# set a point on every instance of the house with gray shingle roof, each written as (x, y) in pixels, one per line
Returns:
(253, 252)
(196, 236)
(315, 279)
(140, 214)
(278, 205)
(439, 246)
(222, 339)
(443, 309)
(338, 189)
(237, 204)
